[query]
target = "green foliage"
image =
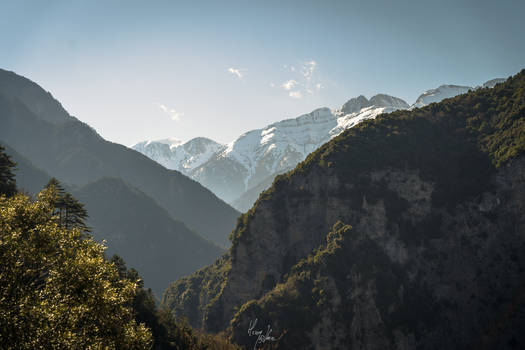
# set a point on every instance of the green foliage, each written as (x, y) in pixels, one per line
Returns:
(185, 297)
(169, 332)
(294, 306)
(58, 291)
(70, 213)
(56, 288)
(144, 234)
(7, 177)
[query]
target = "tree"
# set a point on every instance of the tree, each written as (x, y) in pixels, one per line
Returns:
(57, 290)
(70, 212)
(7, 176)
(168, 331)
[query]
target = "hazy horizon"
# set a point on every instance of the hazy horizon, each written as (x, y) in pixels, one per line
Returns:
(136, 71)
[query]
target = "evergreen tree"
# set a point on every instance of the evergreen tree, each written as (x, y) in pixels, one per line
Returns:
(7, 177)
(75, 214)
(70, 212)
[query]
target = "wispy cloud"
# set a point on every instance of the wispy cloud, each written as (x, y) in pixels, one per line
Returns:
(304, 79)
(308, 69)
(295, 94)
(238, 72)
(173, 114)
(289, 85)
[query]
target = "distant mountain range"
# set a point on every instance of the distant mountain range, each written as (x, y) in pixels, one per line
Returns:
(239, 171)
(160, 221)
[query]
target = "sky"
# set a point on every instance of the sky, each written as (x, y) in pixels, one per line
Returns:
(146, 70)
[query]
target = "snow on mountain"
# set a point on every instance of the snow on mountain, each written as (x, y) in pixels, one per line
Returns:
(441, 93)
(261, 154)
(280, 145)
(238, 171)
(172, 142)
(174, 154)
(493, 82)
(448, 91)
(349, 117)
(356, 104)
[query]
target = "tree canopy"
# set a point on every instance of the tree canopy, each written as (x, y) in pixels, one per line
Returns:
(70, 213)
(57, 290)
(7, 176)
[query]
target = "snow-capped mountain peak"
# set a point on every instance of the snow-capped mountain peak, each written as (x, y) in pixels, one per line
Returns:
(177, 155)
(387, 101)
(356, 104)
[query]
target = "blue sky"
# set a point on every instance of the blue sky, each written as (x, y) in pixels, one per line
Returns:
(138, 70)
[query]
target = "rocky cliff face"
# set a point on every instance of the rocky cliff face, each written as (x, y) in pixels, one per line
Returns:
(431, 253)
(407, 275)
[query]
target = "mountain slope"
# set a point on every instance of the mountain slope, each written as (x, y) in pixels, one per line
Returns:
(74, 153)
(28, 177)
(435, 198)
(37, 100)
(143, 234)
(133, 225)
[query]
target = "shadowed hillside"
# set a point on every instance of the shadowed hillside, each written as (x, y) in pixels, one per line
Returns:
(74, 153)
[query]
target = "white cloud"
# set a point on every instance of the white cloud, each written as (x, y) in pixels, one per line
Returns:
(295, 94)
(238, 72)
(304, 80)
(289, 85)
(308, 69)
(174, 115)
(272, 85)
